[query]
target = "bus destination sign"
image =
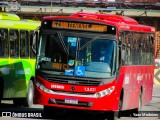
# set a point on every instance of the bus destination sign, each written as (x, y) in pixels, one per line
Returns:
(79, 26)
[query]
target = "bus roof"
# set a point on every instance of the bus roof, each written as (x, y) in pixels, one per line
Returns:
(8, 16)
(8, 20)
(121, 22)
(19, 24)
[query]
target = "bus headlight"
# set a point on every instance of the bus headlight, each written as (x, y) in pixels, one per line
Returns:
(98, 95)
(105, 92)
(43, 88)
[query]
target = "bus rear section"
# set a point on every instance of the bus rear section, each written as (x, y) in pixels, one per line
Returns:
(79, 64)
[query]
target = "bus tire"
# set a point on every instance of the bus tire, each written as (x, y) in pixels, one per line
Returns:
(30, 94)
(28, 101)
(17, 102)
(112, 115)
(49, 112)
(1, 89)
(136, 110)
(120, 108)
(20, 102)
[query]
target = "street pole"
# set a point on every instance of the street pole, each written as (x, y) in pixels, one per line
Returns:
(51, 6)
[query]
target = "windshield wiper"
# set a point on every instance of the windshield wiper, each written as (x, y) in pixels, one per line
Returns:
(62, 42)
(89, 42)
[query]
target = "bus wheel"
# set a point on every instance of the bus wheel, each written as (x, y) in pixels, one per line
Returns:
(136, 110)
(30, 94)
(49, 111)
(1, 89)
(28, 101)
(17, 102)
(120, 108)
(112, 115)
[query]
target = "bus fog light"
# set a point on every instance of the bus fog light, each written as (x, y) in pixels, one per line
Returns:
(90, 104)
(52, 100)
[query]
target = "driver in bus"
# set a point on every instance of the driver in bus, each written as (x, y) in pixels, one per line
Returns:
(104, 55)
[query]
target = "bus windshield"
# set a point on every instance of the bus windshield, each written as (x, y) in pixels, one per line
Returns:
(77, 54)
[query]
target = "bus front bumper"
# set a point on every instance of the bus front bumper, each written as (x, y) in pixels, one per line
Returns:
(105, 103)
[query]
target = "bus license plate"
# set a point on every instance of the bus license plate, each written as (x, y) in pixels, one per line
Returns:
(71, 101)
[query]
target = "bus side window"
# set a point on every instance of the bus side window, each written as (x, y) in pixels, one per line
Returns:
(33, 44)
(3, 43)
(24, 44)
(123, 54)
(14, 43)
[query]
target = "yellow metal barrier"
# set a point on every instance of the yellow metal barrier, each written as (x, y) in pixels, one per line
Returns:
(157, 72)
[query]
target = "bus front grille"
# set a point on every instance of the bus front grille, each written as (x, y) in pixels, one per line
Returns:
(73, 81)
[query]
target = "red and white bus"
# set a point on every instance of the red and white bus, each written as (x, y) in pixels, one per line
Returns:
(98, 62)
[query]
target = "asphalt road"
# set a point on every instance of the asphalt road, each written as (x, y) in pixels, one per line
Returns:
(151, 111)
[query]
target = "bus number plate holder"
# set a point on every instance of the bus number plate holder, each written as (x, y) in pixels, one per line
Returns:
(71, 101)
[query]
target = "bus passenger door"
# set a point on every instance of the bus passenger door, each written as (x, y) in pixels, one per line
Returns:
(9, 67)
(23, 64)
